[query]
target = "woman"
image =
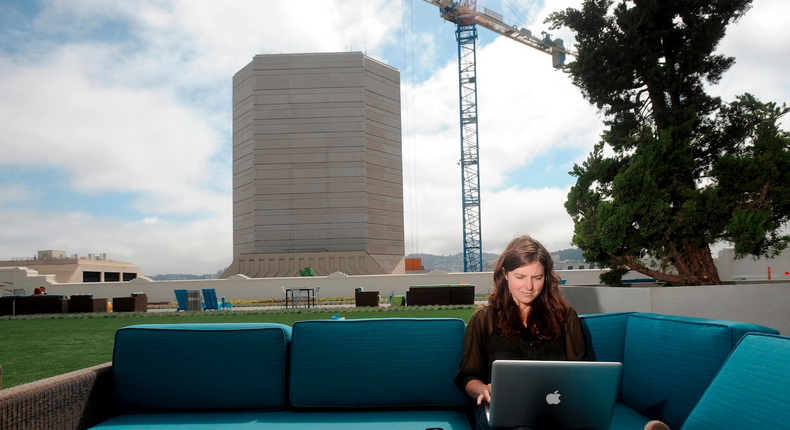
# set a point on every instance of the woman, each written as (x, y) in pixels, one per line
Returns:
(527, 318)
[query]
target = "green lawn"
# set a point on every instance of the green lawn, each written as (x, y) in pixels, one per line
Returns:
(37, 347)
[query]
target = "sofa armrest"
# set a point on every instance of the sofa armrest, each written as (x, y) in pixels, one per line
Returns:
(75, 400)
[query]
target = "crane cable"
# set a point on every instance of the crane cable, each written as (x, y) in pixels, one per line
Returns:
(411, 166)
(516, 14)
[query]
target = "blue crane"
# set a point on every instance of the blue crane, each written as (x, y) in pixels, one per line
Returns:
(464, 15)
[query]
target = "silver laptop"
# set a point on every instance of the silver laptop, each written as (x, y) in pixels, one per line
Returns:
(556, 394)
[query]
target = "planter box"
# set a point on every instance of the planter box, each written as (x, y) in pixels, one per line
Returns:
(87, 304)
(136, 303)
(366, 298)
(422, 295)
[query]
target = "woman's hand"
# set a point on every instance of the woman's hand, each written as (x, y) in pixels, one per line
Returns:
(485, 396)
(478, 390)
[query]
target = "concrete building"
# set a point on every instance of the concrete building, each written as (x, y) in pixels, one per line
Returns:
(317, 166)
(72, 268)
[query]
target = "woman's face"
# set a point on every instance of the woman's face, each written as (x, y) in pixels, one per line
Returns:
(525, 284)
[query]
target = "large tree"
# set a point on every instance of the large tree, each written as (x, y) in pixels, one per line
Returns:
(677, 170)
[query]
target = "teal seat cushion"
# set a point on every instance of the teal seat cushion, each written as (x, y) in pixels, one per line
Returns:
(290, 420)
(176, 367)
(627, 418)
(669, 361)
(387, 362)
(752, 389)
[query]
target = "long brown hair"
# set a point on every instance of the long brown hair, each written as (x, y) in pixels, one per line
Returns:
(549, 310)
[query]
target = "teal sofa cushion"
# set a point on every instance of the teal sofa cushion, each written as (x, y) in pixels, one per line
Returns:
(388, 362)
(290, 420)
(752, 389)
(627, 418)
(604, 335)
(669, 361)
(176, 367)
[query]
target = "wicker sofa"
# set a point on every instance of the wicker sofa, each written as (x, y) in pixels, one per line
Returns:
(36, 304)
(396, 373)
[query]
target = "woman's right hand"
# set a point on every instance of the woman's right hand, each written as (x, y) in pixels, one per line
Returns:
(478, 390)
(485, 396)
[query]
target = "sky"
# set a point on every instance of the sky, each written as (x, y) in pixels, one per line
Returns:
(115, 118)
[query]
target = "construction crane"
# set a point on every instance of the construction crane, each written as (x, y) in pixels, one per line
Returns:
(464, 15)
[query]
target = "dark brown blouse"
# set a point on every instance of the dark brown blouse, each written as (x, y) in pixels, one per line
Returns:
(483, 345)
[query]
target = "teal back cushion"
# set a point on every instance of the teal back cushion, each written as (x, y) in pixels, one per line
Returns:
(387, 362)
(752, 389)
(604, 335)
(171, 367)
(669, 361)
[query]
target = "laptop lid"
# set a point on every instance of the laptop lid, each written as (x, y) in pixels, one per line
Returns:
(558, 394)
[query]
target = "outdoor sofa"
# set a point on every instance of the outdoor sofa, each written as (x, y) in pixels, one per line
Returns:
(35, 304)
(396, 374)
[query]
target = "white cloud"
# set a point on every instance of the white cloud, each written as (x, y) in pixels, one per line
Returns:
(108, 138)
(199, 247)
(17, 195)
(760, 43)
(537, 212)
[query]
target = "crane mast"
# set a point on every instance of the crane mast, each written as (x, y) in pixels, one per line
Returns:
(466, 35)
(464, 14)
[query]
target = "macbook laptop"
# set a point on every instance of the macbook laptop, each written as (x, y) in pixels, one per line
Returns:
(556, 394)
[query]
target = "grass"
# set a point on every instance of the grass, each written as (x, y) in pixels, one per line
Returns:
(40, 346)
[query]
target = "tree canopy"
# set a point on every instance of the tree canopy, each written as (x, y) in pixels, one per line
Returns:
(676, 170)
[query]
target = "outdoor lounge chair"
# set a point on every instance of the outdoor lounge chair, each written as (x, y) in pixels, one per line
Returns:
(181, 297)
(210, 300)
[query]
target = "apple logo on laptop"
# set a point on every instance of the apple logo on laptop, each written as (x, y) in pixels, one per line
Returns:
(553, 398)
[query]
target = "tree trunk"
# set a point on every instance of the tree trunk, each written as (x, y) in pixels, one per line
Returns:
(695, 266)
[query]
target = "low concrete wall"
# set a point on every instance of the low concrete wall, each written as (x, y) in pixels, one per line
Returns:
(334, 285)
(239, 287)
(764, 303)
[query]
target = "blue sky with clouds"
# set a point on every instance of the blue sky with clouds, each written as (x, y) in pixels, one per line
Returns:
(115, 118)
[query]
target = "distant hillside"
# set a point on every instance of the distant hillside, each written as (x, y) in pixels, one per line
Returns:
(452, 263)
(570, 254)
(448, 263)
(185, 276)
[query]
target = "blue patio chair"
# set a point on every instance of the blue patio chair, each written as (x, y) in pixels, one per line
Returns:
(225, 305)
(210, 300)
(181, 297)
